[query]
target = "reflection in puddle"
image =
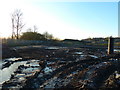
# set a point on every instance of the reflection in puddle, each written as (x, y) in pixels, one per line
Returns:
(5, 73)
(30, 70)
(20, 75)
(78, 53)
(53, 48)
(93, 56)
(47, 70)
(117, 50)
(13, 59)
(117, 75)
(89, 55)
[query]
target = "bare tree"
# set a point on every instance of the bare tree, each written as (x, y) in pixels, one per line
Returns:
(35, 28)
(47, 35)
(17, 23)
(12, 27)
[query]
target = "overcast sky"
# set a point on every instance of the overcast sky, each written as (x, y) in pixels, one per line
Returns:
(75, 20)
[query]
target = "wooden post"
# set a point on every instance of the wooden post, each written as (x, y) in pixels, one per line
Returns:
(110, 45)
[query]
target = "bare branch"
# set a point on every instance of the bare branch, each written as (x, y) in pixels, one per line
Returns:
(17, 24)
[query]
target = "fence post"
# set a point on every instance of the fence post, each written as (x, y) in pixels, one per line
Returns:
(110, 45)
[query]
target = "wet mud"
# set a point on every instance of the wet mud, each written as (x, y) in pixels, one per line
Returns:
(64, 67)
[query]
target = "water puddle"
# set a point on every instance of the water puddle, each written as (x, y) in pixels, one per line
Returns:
(12, 59)
(84, 56)
(52, 48)
(28, 70)
(33, 63)
(5, 73)
(93, 56)
(117, 75)
(117, 50)
(48, 70)
(78, 52)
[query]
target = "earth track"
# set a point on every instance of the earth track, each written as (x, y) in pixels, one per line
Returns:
(68, 69)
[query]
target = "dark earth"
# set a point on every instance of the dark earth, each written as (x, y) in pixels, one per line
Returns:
(74, 68)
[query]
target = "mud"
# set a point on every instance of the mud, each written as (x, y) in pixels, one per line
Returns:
(65, 67)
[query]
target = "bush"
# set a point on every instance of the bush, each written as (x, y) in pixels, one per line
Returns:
(32, 36)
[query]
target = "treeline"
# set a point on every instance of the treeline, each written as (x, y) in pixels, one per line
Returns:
(29, 35)
(17, 25)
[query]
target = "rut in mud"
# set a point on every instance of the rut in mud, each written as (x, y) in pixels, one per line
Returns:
(68, 68)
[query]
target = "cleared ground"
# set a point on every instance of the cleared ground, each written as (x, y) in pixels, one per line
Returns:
(68, 67)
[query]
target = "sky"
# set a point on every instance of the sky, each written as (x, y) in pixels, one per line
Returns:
(71, 20)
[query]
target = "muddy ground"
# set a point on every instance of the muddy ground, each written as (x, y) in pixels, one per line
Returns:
(71, 68)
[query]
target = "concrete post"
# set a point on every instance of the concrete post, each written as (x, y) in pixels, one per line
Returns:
(110, 45)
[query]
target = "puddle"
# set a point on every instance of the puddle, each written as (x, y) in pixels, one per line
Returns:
(12, 59)
(30, 70)
(84, 56)
(117, 50)
(32, 66)
(20, 75)
(35, 64)
(117, 75)
(47, 70)
(52, 48)
(5, 73)
(93, 56)
(78, 53)
(21, 79)
(48, 63)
